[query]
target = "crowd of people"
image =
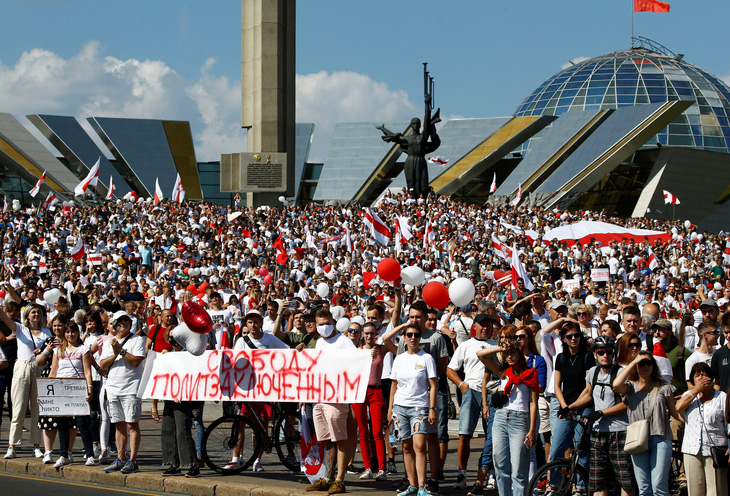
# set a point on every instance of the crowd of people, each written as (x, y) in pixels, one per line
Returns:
(534, 366)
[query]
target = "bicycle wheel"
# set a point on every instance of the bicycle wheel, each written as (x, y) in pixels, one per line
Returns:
(563, 480)
(287, 441)
(229, 435)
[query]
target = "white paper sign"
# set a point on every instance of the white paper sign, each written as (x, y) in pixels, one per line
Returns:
(62, 397)
(599, 275)
(310, 376)
(570, 284)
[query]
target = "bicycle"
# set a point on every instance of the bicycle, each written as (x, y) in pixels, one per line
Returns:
(563, 474)
(226, 436)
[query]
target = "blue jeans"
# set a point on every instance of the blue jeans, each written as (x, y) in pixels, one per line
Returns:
(511, 458)
(565, 434)
(486, 461)
(651, 467)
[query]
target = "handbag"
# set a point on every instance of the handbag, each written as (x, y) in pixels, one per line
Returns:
(717, 453)
(637, 433)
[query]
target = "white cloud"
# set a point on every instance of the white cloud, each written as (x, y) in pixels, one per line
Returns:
(94, 84)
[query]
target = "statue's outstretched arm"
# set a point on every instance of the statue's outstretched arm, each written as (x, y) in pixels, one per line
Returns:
(390, 136)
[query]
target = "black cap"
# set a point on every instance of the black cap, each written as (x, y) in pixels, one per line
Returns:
(483, 318)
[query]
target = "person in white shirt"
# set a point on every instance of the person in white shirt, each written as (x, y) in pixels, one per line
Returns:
(222, 318)
(121, 363)
(709, 336)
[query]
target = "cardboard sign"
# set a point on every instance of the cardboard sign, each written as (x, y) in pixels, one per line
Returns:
(570, 284)
(309, 376)
(62, 397)
(599, 275)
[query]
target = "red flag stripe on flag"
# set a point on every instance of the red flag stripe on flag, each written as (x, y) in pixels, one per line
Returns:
(378, 229)
(79, 249)
(650, 6)
(670, 198)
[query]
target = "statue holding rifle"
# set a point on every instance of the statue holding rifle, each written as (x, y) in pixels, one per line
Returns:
(416, 143)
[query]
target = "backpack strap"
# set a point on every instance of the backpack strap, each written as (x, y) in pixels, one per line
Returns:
(612, 377)
(248, 341)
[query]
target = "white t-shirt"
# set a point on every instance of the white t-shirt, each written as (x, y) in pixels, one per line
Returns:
(696, 357)
(267, 341)
(27, 342)
(123, 379)
(466, 356)
(337, 342)
(412, 372)
(72, 363)
(221, 319)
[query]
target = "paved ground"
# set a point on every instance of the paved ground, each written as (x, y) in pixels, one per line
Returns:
(275, 480)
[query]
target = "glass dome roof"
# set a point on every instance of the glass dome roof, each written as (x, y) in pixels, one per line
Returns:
(640, 76)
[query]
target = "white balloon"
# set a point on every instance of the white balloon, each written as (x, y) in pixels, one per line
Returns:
(674, 230)
(687, 224)
(282, 199)
(140, 200)
(693, 236)
(700, 236)
(412, 275)
(461, 291)
(343, 324)
(323, 289)
(51, 296)
(439, 279)
(192, 341)
(408, 288)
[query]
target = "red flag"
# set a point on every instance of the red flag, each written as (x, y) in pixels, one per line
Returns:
(282, 257)
(367, 277)
(650, 6)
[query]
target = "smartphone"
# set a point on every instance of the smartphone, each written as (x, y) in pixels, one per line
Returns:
(527, 443)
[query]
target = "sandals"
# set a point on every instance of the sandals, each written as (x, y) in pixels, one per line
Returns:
(155, 414)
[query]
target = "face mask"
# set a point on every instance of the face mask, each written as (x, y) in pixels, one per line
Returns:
(377, 324)
(325, 330)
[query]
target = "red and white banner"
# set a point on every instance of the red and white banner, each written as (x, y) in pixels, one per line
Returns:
(309, 376)
(438, 160)
(670, 198)
(178, 191)
(34, 191)
(79, 249)
(93, 258)
(493, 187)
(158, 192)
(379, 231)
(91, 179)
(42, 266)
(518, 270)
(50, 200)
(653, 261)
(726, 253)
(517, 198)
(501, 249)
(428, 236)
(110, 192)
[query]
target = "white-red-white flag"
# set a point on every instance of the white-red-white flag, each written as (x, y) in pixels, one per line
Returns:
(518, 271)
(37, 186)
(158, 192)
(42, 266)
(653, 261)
(178, 191)
(347, 241)
(428, 236)
(50, 200)
(670, 198)
(379, 231)
(110, 191)
(501, 249)
(517, 198)
(91, 179)
(493, 187)
(505, 279)
(438, 160)
(79, 249)
(5, 204)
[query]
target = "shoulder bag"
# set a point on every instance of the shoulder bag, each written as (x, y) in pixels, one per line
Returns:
(637, 433)
(717, 453)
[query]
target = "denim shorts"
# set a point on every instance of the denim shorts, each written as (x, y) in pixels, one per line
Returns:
(410, 420)
(471, 410)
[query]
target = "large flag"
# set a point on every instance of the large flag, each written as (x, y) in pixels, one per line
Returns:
(428, 236)
(278, 243)
(517, 198)
(50, 200)
(158, 192)
(379, 231)
(518, 270)
(79, 249)
(91, 179)
(178, 191)
(500, 248)
(42, 266)
(725, 254)
(402, 230)
(653, 261)
(670, 198)
(438, 160)
(110, 192)
(347, 241)
(37, 186)
(650, 6)
(493, 187)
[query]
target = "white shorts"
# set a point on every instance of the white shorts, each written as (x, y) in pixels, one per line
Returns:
(125, 409)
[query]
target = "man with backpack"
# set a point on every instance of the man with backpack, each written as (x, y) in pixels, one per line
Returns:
(609, 421)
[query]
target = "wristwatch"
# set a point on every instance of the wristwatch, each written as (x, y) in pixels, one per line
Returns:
(123, 352)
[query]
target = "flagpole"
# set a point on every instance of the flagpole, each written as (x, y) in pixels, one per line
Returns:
(631, 2)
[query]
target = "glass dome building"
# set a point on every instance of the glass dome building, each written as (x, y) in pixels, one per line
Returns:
(639, 76)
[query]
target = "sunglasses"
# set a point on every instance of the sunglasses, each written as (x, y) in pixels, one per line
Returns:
(646, 363)
(572, 336)
(355, 331)
(413, 334)
(635, 345)
(714, 333)
(520, 336)
(581, 314)
(604, 352)
(369, 334)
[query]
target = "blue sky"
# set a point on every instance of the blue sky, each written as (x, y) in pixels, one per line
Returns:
(356, 61)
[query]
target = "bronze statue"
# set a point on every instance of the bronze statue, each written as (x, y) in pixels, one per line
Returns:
(417, 144)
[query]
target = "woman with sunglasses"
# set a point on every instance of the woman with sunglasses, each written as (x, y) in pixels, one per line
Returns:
(412, 403)
(638, 382)
(628, 347)
(374, 403)
(571, 367)
(704, 410)
(588, 326)
(515, 419)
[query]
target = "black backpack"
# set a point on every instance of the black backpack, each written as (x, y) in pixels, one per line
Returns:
(613, 374)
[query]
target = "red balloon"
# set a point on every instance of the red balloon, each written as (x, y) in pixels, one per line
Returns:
(255, 245)
(186, 270)
(436, 295)
(268, 279)
(263, 271)
(192, 288)
(389, 269)
(203, 286)
(327, 268)
(196, 318)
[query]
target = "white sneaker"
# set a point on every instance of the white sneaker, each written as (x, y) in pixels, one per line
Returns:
(90, 462)
(491, 484)
(47, 457)
(62, 461)
(381, 475)
(367, 474)
(97, 451)
(232, 465)
(257, 467)
(10, 454)
(37, 452)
